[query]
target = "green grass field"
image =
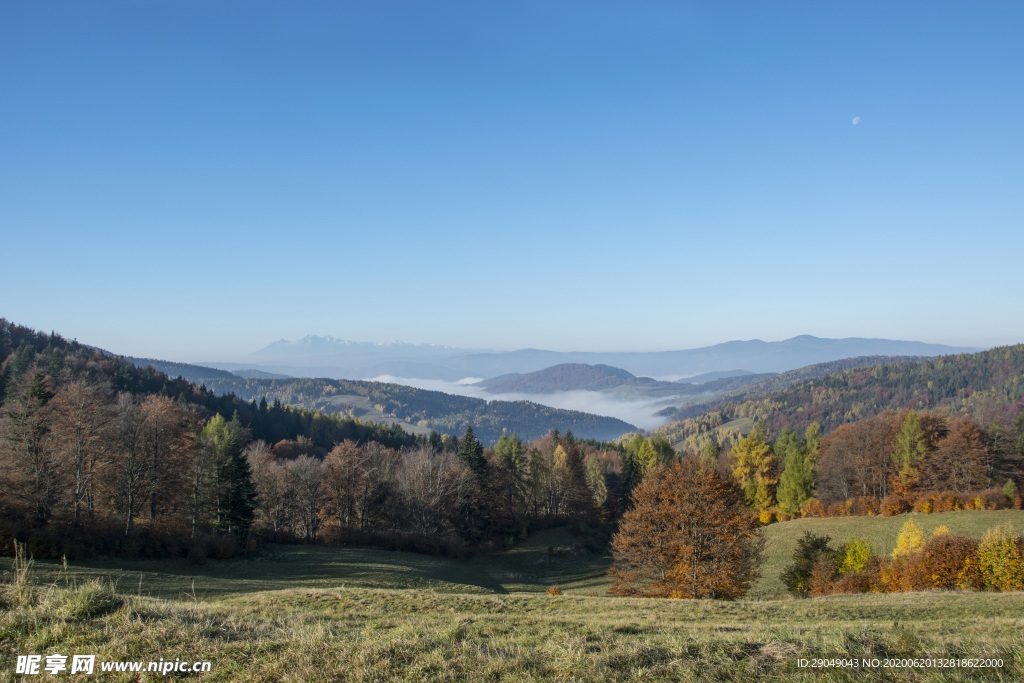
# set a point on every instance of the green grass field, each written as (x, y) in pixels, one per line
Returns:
(320, 613)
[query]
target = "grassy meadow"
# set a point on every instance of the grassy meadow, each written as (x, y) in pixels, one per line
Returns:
(319, 613)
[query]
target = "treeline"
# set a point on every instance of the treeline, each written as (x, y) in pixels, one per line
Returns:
(889, 464)
(985, 387)
(942, 562)
(445, 496)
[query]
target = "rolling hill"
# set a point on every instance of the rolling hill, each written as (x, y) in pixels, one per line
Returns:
(988, 386)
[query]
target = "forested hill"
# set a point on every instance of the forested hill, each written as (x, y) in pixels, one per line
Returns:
(565, 377)
(988, 386)
(417, 410)
(23, 352)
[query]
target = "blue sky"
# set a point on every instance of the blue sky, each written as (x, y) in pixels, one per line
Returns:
(192, 180)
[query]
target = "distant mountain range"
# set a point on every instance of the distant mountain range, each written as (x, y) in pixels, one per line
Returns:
(314, 356)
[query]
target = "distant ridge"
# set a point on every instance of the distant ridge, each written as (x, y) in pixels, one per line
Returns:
(314, 356)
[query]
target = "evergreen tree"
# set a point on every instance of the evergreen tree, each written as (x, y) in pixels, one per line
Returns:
(471, 452)
(797, 481)
(710, 451)
(910, 449)
(235, 492)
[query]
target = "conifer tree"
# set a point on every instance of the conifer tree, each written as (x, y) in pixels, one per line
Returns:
(796, 485)
(910, 449)
(471, 452)
(754, 469)
(234, 490)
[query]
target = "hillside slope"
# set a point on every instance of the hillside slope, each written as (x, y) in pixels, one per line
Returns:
(988, 386)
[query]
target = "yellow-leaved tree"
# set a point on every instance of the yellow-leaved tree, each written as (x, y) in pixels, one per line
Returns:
(910, 540)
(999, 560)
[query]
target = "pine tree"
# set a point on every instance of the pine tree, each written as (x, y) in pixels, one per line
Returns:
(471, 452)
(710, 451)
(234, 491)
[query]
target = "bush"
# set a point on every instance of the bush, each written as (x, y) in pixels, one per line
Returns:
(855, 555)
(812, 508)
(943, 558)
(894, 505)
(553, 590)
(864, 506)
(823, 575)
(1000, 563)
(810, 548)
(924, 504)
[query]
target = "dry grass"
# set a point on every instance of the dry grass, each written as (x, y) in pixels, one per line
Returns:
(361, 634)
(365, 615)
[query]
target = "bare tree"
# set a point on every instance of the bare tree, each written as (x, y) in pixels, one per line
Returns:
(275, 491)
(81, 430)
(431, 486)
(34, 471)
(307, 474)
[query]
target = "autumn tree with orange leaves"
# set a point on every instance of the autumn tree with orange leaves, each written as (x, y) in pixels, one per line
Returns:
(689, 534)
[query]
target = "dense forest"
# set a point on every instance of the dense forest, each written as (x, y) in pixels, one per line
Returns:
(420, 409)
(986, 386)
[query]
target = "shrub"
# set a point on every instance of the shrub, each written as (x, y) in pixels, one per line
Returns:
(810, 548)
(812, 508)
(823, 575)
(554, 590)
(947, 501)
(894, 505)
(853, 582)
(855, 555)
(903, 573)
(1000, 563)
(864, 506)
(943, 559)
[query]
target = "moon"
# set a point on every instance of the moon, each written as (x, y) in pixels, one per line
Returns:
(856, 120)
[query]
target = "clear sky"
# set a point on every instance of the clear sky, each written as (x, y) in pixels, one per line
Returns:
(193, 180)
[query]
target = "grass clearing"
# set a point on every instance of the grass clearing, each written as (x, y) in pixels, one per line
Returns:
(316, 613)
